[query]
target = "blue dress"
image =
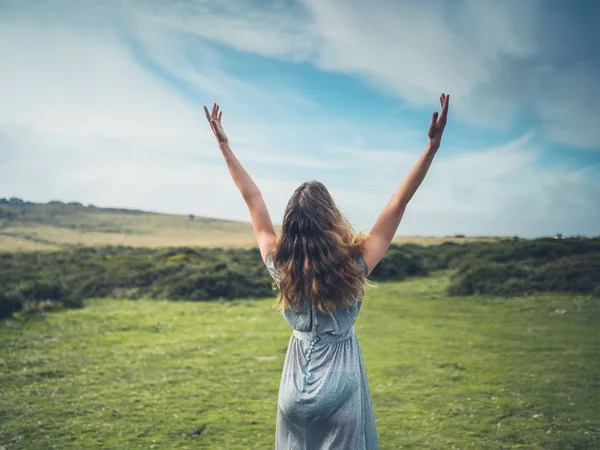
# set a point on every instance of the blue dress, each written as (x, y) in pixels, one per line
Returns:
(324, 400)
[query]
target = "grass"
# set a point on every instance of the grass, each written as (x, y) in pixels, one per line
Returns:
(140, 231)
(159, 232)
(43, 226)
(444, 373)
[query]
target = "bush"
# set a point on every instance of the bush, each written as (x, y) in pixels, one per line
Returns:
(68, 276)
(489, 278)
(42, 290)
(576, 274)
(398, 265)
(174, 273)
(51, 293)
(9, 305)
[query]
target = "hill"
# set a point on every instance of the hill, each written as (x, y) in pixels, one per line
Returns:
(57, 225)
(26, 226)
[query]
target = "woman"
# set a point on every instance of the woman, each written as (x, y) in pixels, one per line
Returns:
(324, 400)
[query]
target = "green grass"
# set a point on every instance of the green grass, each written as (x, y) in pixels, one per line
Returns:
(444, 373)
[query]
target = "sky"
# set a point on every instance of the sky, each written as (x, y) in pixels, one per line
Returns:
(102, 103)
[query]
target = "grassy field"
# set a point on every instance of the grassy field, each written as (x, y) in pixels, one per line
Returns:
(53, 227)
(32, 237)
(144, 230)
(444, 373)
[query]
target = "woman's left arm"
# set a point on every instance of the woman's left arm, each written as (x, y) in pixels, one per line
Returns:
(261, 220)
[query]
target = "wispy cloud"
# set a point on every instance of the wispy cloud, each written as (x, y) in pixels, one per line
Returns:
(499, 59)
(102, 103)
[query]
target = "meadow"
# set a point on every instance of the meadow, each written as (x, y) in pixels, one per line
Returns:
(125, 329)
(477, 372)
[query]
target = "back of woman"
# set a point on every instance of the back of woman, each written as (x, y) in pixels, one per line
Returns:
(324, 385)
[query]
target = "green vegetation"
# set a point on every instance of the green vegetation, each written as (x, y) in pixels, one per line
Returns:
(527, 267)
(445, 372)
(66, 277)
(487, 344)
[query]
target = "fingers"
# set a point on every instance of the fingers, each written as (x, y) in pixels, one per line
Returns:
(215, 114)
(431, 131)
(438, 120)
(446, 104)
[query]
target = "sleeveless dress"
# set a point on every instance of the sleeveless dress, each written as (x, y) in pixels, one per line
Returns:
(324, 400)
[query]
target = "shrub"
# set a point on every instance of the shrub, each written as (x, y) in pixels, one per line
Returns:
(398, 265)
(578, 274)
(41, 290)
(489, 278)
(503, 268)
(34, 293)
(8, 305)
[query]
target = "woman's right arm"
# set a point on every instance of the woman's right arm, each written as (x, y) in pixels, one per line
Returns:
(381, 235)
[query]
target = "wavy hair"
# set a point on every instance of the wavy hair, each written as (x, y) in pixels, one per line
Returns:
(316, 252)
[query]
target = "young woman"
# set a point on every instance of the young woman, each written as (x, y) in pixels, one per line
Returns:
(320, 265)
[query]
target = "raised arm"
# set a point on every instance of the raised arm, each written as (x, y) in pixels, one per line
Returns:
(261, 220)
(381, 235)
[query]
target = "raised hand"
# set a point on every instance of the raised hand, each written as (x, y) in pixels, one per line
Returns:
(438, 122)
(214, 119)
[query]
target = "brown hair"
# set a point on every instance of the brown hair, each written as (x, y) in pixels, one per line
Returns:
(317, 251)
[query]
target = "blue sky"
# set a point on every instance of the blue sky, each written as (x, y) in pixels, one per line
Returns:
(101, 102)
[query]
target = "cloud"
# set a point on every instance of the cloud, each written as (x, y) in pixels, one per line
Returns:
(54, 168)
(61, 83)
(103, 105)
(570, 105)
(482, 191)
(271, 28)
(499, 60)
(498, 190)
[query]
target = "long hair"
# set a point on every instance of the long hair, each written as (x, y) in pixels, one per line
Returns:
(316, 252)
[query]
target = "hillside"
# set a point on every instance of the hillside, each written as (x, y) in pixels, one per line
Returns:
(55, 225)
(26, 226)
